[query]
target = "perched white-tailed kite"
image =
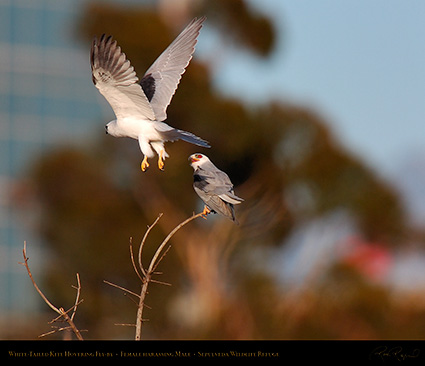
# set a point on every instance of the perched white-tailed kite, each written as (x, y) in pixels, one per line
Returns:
(214, 187)
(141, 108)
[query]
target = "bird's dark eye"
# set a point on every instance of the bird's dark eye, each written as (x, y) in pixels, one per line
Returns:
(198, 156)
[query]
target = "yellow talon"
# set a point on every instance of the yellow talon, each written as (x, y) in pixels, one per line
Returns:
(205, 212)
(145, 164)
(160, 161)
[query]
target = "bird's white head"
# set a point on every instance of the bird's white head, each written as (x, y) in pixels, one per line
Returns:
(112, 129)
(197, 160)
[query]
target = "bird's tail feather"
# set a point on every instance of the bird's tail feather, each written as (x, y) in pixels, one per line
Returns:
(231, 198)
(192, 139)
(175, 134)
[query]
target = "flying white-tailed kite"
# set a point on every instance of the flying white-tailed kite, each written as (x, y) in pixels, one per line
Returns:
(140, 108)
(214, 187)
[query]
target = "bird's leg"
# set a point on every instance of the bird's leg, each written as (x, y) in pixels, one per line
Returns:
(205, 212)
(145, 164)
(160, 161)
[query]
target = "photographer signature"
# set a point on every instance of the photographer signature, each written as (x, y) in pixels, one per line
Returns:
(394, 353)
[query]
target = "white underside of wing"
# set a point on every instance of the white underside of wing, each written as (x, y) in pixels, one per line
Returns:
(127, 101)
(168, 68)
(116, 80)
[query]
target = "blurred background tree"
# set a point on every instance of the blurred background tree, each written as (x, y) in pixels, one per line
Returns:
(283, 160)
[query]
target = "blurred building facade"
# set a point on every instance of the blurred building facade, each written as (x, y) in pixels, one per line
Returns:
(46, 98)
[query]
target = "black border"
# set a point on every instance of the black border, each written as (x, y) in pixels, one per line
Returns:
(282, 352)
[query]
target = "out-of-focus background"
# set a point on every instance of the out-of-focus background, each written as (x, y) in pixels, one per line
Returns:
(314, 109)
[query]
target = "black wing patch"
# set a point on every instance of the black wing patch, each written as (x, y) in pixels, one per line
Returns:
(199, 181)
(148, 85)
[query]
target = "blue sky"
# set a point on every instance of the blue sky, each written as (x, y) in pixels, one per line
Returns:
(360, 64)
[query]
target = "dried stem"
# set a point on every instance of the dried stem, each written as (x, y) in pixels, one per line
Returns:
(77, 298)
(144, 274)
(133, 262)
(121, 288)
(61, 311)
(142, 244)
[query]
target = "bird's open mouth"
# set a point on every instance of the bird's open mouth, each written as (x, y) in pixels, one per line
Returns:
(195, 157)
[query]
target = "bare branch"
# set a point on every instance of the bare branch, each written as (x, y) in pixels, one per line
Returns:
(145, 275)
(139, 316)
(66, 312)
(133, 262)
(77, 298)
(125, 325)
(61, 311)
(156, 259)
(153, 263)
(54, 308)
(160, 282)
(161, 258)
(57, 330)
(143, 242)
(121, 288)
(54, 331)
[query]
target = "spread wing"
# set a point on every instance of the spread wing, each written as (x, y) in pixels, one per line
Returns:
(162, 78)
(116, 80)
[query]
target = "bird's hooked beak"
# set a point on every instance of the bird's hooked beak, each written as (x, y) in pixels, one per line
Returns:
(193, 159)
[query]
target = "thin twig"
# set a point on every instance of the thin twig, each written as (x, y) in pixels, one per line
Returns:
(156, 259)
(161, 258)
(77, 298)
(133, 262)
(54, 308)
(54, 331)
(145, 275)
(125, 325)
(160, 282)
(61, 311)
(57, 330)
(121, 288)
(143, 243)
(153, 263)
(66, 312)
